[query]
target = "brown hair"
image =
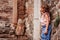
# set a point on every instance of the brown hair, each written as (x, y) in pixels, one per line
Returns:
(45, 7)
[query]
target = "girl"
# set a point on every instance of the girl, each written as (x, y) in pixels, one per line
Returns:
(45, 23)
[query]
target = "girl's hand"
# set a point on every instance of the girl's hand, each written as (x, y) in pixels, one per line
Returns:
(46, 32)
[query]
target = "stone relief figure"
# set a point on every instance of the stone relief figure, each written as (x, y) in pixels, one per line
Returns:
(20, 27)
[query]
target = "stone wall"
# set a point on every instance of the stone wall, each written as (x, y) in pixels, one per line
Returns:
(6, 10)
(29, 18)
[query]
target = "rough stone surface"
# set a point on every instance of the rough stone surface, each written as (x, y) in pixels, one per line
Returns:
(6, 7)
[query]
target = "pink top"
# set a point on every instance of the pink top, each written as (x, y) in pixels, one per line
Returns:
(44, 19)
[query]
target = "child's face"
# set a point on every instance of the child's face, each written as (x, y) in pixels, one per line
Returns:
(42, 10)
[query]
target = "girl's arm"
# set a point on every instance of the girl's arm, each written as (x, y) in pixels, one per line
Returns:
(47, 23)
